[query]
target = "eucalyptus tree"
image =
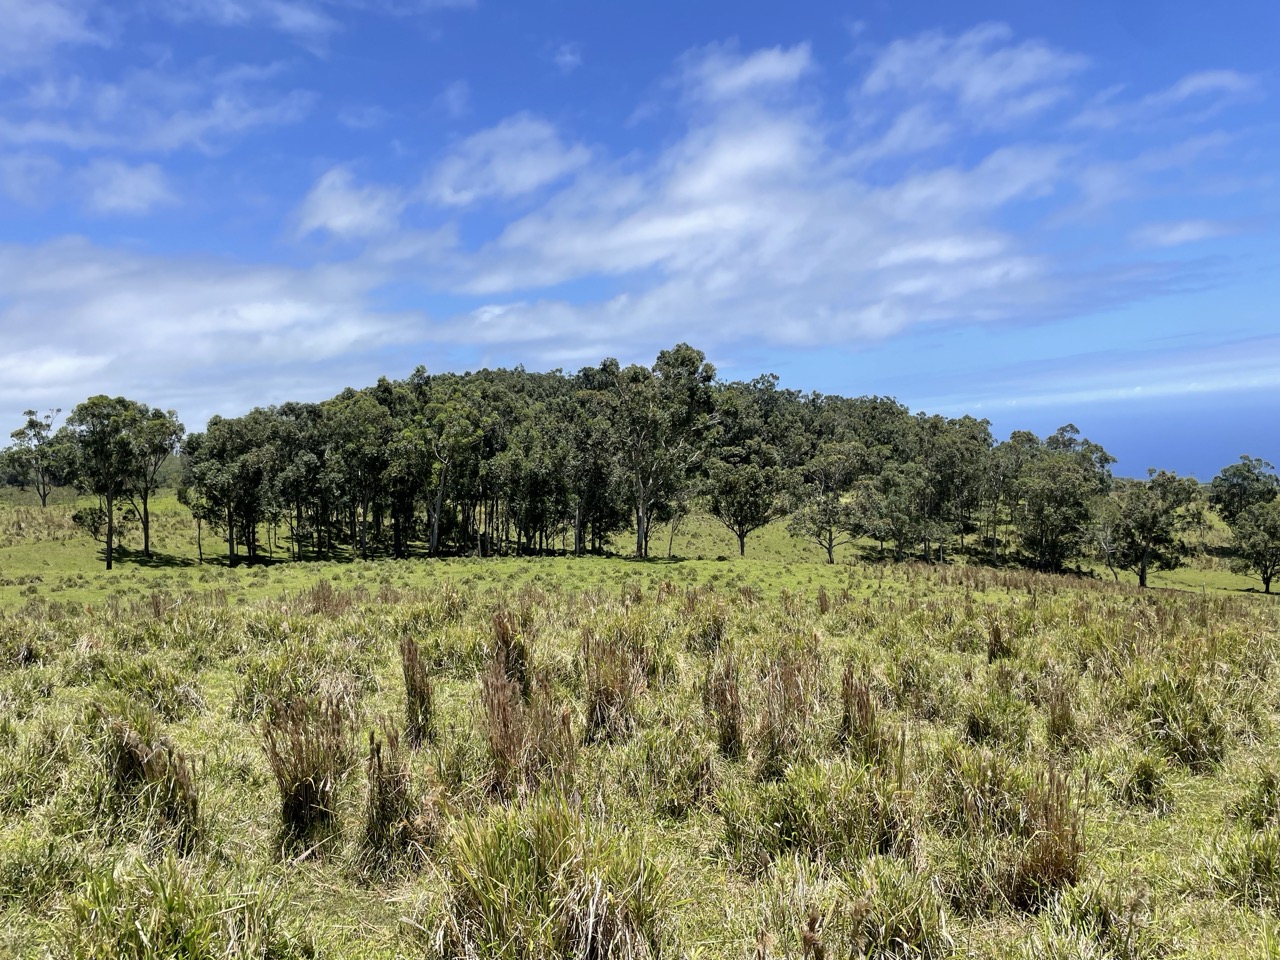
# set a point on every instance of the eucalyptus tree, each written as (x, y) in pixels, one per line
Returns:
(1257, 539)
(35, 456)
(1242, 485)
(1059, 480)
(660, 417)
(99, 432)
(156, 435)
(744, 481)
(234, 476)
(1154, 517)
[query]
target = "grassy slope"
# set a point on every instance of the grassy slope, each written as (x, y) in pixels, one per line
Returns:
(232, 625)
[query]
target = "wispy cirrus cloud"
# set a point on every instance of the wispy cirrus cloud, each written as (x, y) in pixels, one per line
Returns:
(33, 30)
(114, 187)
(517, 156)
(991, 78)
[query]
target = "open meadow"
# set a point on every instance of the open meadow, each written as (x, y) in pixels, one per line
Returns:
(599, 757)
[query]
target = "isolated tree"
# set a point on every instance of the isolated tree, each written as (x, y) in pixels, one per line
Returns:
(155, 435)
(34, 455)
(1257, 538)
(1155, 514)
(101, 433)
(1241, 485)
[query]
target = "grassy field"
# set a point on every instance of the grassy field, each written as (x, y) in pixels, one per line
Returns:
(604, 758)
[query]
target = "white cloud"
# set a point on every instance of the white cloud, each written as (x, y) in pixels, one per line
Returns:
(305, 22)
(33, 29)
(363, 118)
(1180, 232)
(154, 110)
(516, 157)
(337, 205)
(568, 57)
(118, 188)
(25, 178)
(455, 99)
(80, 319)
(1206, 91)
(993, 79)
(718, 72)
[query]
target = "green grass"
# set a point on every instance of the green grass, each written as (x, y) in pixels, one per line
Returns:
(921, 753)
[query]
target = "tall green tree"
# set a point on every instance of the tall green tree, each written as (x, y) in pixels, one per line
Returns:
(34, 455)
(101, 434)
(156, 435)
(660, 417)
(1242, 485)
(1154, 517)
(1257, 538)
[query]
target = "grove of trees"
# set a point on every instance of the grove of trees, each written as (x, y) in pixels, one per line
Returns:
(508, 461)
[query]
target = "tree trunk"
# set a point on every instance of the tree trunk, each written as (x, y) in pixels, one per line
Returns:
(146, 524)
(111, 526)
(1142, 570)
(199, 544)
(742, 544)
(435, 514)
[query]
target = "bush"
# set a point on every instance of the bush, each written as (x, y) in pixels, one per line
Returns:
(545, 881)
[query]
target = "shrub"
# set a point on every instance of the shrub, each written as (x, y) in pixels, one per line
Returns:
(310, 751)
(545, 881)
(419, 703)
(163, 913)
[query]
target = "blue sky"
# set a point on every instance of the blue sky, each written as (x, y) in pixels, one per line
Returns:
(1034, 213)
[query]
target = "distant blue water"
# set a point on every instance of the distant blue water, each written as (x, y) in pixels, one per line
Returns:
(1195, 436)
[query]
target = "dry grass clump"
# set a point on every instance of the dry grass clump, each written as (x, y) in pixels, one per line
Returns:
(511, 632)
(146, 780)
(419, 695)
(400, 826)
(529, 742)
(722, 699)
(861, 731)
(613, 677)
(790, 695)
(310, 750)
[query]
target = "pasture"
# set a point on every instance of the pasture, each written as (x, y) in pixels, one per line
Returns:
(537, 757)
